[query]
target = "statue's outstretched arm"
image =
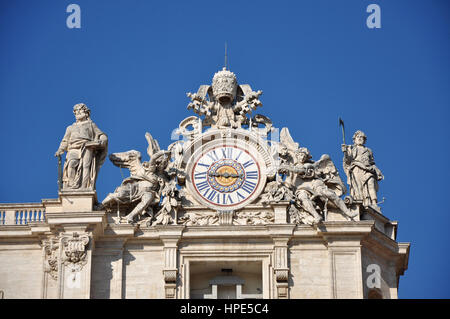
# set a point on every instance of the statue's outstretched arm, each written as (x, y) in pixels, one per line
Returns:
(63, 146)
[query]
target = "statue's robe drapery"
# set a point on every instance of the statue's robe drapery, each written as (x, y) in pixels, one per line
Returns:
(359, 166)
(134, 187)
(87, 160)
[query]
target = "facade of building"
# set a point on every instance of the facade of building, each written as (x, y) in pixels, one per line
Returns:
(234, 209)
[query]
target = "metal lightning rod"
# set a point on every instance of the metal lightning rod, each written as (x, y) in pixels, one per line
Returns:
(341, 123)
(226, 57)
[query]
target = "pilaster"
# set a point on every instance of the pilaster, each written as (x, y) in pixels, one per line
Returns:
(170, 236)
(281, 234)
(343, 241)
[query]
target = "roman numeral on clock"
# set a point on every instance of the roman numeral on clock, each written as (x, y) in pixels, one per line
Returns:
(248, 186)
(251, 175)
(202, 185)
(200, 175)
(212, 155)
(227, 152)
(240, 196)
(226, 199)
(212, 194)
(248, 163)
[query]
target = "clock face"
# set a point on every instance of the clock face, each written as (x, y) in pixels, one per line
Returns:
(226, 176)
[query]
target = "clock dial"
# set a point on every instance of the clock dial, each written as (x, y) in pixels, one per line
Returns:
(226, 176)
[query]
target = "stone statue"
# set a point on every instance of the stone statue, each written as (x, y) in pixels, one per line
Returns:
(148, 181)
(312, 180)
(86, 148)
(362, 174)
(307, 180)
(225, 104)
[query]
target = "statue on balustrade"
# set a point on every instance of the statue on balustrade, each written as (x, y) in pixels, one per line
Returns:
(86, 146)
(362, 174)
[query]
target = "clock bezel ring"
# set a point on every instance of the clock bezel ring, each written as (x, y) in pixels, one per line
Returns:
(226, 142)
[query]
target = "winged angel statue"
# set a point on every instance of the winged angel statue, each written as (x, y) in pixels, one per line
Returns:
(151, 186)
(309, 184)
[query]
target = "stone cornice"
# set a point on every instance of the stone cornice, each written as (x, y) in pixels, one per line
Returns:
(345, 227)
(403, 250)
(93, 217)
(15, 231)
(226, 231)
(123, 230)
(7, 206)
(343, 231)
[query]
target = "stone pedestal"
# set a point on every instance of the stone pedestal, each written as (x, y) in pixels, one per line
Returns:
(68, 246)
(280, 211)
(335, 215)
(71, 201)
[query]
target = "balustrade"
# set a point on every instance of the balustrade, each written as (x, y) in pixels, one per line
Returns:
(21, 214)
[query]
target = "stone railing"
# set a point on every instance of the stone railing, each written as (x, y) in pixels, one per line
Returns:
(21, 214)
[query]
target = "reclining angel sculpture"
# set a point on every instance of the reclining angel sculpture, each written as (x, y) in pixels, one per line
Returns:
(148, 181)
(310, 181)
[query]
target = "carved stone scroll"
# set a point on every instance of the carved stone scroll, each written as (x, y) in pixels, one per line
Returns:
(51, 248)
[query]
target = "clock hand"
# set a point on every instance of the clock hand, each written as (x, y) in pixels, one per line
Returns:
(226, 174)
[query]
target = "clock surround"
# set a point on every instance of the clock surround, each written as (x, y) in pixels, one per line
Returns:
(226, 172)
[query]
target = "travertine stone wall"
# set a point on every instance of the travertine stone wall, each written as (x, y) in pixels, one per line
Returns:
(346, 275)
(104, 277)
(300, 262)
(21, 269)
(135, 269)
(310, 271)
(51, 291)
(143, 271)
(388, 280)
(107, 269)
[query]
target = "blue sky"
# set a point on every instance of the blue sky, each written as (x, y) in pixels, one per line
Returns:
(132, 63)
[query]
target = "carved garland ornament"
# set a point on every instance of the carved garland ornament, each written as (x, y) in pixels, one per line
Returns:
(51, 248)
